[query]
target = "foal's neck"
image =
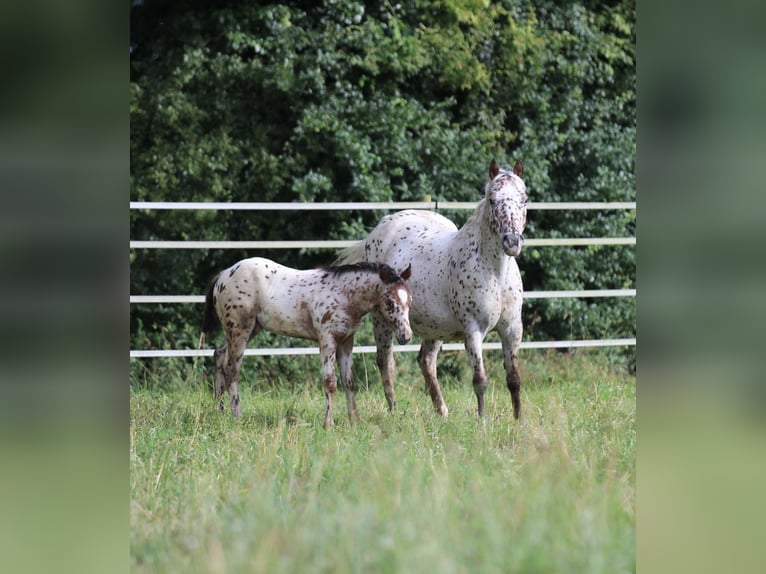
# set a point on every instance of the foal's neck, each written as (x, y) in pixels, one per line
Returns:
(365, 293)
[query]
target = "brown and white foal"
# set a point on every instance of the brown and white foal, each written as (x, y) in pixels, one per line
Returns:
(325, 305)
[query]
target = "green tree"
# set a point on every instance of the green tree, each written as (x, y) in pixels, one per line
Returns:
(363, 101)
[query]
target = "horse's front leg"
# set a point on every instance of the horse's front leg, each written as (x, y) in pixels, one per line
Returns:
(429, 350)
(510, 336)
(327, 352)
(385, 357)
(347, 377)
(473, 347)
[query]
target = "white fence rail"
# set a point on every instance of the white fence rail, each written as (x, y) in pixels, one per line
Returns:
(339, 244)
(351, 205)
(143, 299)
(342, 243)
(397, 348)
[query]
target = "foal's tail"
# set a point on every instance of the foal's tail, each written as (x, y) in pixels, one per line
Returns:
(210, 321)
(350, 255)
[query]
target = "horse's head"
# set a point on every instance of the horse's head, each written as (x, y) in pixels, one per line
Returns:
(395, 302)
(506, 196)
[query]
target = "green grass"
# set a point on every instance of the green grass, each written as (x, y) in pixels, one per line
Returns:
(404, 492)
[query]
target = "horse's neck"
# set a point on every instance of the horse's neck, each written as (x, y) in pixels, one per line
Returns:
(490, 249)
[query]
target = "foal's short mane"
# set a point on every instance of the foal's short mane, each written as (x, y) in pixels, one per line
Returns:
(362, 266)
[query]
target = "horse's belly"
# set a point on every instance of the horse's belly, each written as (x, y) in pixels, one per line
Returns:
(439, 327)
(289, 325)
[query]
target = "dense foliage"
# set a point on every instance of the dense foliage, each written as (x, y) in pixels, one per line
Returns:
(378, 101)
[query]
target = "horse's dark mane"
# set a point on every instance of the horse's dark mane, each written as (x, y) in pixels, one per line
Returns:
(361, 266)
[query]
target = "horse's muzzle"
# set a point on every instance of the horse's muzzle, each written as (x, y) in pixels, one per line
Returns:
(512, 243)
(404, 337)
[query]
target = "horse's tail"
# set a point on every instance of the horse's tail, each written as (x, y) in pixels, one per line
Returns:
(352, 254)
(210, 321)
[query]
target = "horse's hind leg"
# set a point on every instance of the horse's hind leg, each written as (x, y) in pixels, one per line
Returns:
(220, 359)
(427, 362)
(347, 377)
(385, 357)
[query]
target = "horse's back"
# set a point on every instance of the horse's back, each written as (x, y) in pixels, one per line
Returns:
(416, 220)
(397, 237)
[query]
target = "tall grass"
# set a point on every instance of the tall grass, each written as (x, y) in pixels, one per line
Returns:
(404, 492)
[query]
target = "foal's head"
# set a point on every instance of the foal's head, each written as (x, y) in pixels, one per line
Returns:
(394, 303)
(506, 196)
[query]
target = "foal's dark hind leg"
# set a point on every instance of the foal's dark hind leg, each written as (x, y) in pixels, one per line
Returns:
(220, 359)
(236, 343)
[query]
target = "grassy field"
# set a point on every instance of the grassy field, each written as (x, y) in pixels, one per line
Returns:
(404, 492)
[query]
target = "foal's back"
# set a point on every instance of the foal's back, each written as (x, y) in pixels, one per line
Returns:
(278, 298)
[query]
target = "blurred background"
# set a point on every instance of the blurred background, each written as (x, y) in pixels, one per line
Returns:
(68, 161)
(352, 101)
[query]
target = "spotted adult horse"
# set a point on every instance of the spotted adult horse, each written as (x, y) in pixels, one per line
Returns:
(324, 305)
(465, 283)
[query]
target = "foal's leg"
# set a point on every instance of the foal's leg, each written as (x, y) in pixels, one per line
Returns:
(220, 358)
(473, 344)
(327, 352)
(347, 377)
(236, 339)
(385, 357)
(427, 362)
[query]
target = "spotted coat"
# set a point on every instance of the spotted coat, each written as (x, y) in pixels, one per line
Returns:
(465, 282)
(324, 305)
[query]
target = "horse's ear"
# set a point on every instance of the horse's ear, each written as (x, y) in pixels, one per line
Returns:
(494, 169)
(518, 169)
(406, 273)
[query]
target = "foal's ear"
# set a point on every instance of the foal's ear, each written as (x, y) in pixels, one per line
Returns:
(406, 273)
(518, 169)
(386, 274)
(494, 169)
